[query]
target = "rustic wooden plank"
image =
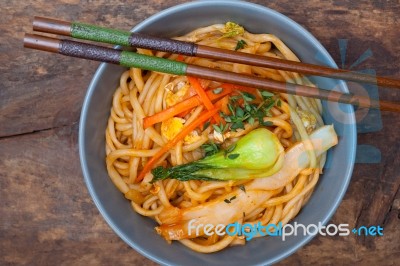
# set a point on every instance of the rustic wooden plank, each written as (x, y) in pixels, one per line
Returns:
(37, 86)
(47, 216)
(41, 90)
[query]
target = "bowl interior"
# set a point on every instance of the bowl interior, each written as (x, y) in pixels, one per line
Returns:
(138, 231)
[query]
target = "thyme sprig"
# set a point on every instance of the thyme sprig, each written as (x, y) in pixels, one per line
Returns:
(244, 110)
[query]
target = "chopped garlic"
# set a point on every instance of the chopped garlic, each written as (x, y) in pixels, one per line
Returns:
(219, 138)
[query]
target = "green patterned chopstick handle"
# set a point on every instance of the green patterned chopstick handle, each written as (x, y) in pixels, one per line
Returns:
(124, 58)
(99, 34)
(105, 35)
(152, 63)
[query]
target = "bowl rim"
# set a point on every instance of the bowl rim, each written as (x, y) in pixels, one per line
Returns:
(91, 89)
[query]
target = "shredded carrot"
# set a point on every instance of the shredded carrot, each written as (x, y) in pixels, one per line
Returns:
(180, 58)
(195, 82)
(184, 107)
(183, 114)
(239, 88)
(223, 105)
(170, 144)
(181, 107)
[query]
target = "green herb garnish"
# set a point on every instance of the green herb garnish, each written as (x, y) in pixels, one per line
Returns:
(231, 148)
(230, 200)
(240, 45)
(266, 94)
(221, 128)
(233, 156)
(206, 125)
(243, 109)
(210, 148)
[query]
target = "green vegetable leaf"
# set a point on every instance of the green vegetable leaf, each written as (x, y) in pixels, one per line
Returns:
(266, 94)
(183, 172)
(206, 125)
(239, 112)
(228, 119)
(231, 148)
(217, 128)
(267, 123)
(210, 148)
(240, 45)
(237, 125)
(253, 155)
(233, 156)
(251, 120)
(246, 111)
(248, 96)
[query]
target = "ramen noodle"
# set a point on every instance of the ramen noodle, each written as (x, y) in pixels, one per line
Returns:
(172, 203)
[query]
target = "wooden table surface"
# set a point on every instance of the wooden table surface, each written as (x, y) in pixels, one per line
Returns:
(46, 214)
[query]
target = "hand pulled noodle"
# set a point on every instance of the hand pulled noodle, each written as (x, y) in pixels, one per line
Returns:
(172, 203)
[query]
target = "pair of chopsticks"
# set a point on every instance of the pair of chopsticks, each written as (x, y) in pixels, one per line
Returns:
(137, 40)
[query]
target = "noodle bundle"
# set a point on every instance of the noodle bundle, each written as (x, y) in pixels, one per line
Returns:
(130, 144)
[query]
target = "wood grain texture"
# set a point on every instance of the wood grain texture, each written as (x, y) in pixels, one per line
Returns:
(47, 216)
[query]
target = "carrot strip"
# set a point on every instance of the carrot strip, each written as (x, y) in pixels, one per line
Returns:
(195, 82)
(183, 114)
(180, 58)
(181, 107)
(171, 111)
(223, 105)
(170, 144)
(239, 87)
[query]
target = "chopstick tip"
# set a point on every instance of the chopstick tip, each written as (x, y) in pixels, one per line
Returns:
(50, 25)
(43, 43)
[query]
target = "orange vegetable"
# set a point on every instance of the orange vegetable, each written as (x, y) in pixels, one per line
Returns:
(195, 82)
(223, 104)
(170, 144)
(184, 107)
(183, 114)
(180, 58)
(181, 107)
(239, 88)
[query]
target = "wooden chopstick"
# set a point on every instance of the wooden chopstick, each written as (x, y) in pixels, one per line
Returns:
(100, 34)
(132, 59)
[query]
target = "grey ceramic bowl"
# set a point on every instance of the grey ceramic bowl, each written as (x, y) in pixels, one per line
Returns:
(138, 231)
